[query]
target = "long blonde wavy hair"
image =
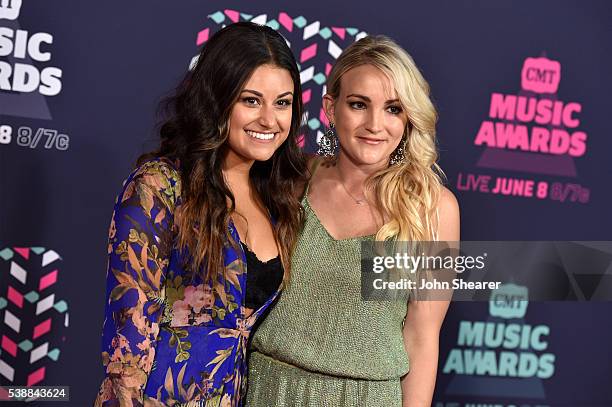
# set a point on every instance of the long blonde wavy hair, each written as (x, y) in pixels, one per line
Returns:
(406, 194)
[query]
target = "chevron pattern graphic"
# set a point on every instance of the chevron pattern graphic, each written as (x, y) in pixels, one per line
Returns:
(31, 315)
(316, 47)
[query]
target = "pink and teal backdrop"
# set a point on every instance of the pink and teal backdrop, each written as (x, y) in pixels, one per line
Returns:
(522, 90)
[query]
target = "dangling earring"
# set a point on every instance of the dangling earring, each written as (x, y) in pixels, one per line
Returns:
(328, 143)
(399, 155)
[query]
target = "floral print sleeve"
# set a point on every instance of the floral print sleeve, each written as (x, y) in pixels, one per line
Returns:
(140, 241)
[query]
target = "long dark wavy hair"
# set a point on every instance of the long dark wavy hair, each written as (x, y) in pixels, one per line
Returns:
(195, 132)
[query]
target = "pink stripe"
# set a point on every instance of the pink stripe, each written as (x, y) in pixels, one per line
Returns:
(15, 296)
(36, 376)
(23, 251)
(340, 32)
(42, 328)
(9, 346)
(47, 280)
(202, 36)
(308, 52)
(285, 21)
(301, 140)
(328, 68)
(233, 15)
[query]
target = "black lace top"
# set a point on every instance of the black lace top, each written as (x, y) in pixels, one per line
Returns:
(263, 278)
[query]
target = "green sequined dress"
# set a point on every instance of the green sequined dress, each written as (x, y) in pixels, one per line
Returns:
(321, 345)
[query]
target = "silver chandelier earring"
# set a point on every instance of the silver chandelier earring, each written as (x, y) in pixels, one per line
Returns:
(328, 143)
(399, 155)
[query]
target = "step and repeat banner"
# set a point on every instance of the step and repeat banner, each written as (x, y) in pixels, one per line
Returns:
(522, 89)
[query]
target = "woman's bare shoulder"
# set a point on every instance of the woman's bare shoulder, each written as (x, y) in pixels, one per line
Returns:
(448, 216)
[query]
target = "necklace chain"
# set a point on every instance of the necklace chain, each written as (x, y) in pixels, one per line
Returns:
(362, 201)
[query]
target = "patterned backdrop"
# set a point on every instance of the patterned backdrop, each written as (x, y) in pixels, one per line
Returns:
(522, 90)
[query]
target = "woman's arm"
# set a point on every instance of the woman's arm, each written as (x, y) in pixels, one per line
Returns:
(424, 320)
(139, 252)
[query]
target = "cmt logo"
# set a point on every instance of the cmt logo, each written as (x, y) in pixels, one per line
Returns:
(9, 9)
(541, 75)
(509, 301)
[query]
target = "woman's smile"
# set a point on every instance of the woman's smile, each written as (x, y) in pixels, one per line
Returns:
(261, 136)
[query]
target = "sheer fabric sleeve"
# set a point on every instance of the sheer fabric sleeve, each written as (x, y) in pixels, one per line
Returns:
(140, 242)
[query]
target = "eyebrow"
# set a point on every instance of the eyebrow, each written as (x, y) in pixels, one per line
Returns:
(367, 99)
(261, 94)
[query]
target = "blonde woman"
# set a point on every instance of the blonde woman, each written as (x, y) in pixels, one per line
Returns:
(322, 345)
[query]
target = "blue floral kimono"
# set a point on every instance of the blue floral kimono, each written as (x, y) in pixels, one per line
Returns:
(169, 339)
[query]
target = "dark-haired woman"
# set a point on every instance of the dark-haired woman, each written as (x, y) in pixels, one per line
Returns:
(211, 204)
